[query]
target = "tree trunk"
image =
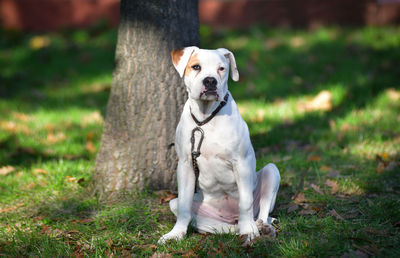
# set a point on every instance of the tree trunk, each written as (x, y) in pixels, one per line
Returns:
(146, 99)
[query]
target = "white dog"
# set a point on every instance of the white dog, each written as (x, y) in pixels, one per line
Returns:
(212, 142)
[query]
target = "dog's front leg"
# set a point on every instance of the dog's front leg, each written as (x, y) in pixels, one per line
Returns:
(244, 178)
(186, 182)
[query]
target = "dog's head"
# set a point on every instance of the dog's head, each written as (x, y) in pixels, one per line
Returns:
(205, 71)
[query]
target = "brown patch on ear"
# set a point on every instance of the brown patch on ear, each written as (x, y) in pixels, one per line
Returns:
(176, 56)
(192, 61)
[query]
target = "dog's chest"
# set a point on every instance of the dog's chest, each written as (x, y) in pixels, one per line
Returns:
(216, 163)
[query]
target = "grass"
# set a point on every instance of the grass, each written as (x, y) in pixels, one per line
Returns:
(339, 158)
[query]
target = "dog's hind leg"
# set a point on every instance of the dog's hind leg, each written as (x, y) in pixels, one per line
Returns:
(269, 180)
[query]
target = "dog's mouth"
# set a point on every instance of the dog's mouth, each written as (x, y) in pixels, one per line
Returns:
(209, 95)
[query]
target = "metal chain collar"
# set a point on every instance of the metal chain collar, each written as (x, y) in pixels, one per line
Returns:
(196, 153)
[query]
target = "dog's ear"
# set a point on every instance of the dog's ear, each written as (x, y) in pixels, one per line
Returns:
(180, 58)
(234, 71)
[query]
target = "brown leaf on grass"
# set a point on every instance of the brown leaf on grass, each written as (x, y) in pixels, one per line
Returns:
(55, 138)
(161, 255)
(334, 213)
(89, 136)
(190, 253)
(323, 102)
(393, 94)
(380, 168)
(317, 189)
(348, 128)
(12, 208)
(292, 208)
(333, 184)
(49, 127)
(297, 41)
(325, 168)
(300, 198)
(308, 211)
(397, 224)
(109, 243)
(90, 147)
(167, 198)
(70, 179)
(260, 115)
(39, 171)
(149, 246)
(29, 186)
(6, 170)
(20, 116)
(83, 221)
(14, 128)
(78, 251)
(314, 158)
(93, 118)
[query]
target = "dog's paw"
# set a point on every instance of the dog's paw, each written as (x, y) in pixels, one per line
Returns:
(173, 234)
(265, 228)
(248, 228)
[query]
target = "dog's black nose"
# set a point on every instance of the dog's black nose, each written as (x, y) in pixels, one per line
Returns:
(210, 83)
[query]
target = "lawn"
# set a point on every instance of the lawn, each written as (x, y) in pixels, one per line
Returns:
(323, 104)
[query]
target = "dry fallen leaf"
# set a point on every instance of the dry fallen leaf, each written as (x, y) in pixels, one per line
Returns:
(300, 198)
(292, 208)
(6, 170)
(92, 118)
(393, 94)
(323, 102)
(333, 184)
(316, 189)
(70, 179)
(334, 213)
(167, 198)
(20, 116)
(260, 115)
(90, 147)
(161, 255)
(314, 158)
(308, 211)
(296, 41)
(49, 127)
(380, 168)
(12, 208)
(28, 186)
(55, 138)
(39, 171)
(325, 168)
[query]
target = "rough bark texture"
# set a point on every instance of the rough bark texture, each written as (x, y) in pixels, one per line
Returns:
(146, 97)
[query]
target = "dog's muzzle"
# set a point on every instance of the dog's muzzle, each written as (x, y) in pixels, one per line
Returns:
(210, 87)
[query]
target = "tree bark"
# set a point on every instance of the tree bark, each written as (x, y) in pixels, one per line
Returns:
(146, 99)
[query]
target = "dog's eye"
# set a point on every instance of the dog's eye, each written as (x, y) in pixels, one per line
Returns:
(221, 69)
(196, 67)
